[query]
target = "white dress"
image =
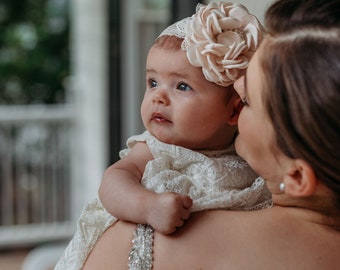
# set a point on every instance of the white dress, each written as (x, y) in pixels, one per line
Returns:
(213, 179)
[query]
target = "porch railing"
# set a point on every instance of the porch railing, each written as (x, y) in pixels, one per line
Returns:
(35, 173)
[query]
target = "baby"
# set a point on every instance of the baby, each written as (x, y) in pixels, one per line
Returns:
(185, 160)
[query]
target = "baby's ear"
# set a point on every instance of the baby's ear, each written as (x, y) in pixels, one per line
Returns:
(235, 104)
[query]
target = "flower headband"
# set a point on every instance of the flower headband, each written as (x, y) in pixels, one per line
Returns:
(221, 38)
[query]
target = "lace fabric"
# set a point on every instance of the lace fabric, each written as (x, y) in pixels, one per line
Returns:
(213, 179)
(176, 29)
(92, 223)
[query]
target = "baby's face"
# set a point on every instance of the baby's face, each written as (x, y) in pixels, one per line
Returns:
(180, 106)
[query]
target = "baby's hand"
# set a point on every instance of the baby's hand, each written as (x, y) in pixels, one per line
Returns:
(169, 212)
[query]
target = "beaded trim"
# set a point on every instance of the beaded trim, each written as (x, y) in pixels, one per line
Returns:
(140, 255)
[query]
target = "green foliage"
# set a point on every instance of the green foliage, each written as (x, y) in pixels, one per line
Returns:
(34, 51)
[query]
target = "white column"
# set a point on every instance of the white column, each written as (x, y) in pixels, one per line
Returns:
(89, 38)
(131, 87)
(140, 26)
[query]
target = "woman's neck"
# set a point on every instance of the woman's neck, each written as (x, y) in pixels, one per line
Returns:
(314, 209)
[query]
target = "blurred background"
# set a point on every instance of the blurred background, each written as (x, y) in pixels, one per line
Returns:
(71, 83)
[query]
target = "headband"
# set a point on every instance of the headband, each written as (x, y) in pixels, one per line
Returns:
(221, 38)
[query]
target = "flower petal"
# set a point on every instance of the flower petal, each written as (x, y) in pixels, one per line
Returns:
(221, 38)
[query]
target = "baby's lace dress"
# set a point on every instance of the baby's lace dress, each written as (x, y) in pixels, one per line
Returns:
(213, 180)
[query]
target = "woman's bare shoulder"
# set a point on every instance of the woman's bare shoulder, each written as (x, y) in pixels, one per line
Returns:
(212, 240)
(219, 239)
(248, 240)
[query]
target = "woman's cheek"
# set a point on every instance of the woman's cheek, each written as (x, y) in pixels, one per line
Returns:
(240, 147)
(246, 141)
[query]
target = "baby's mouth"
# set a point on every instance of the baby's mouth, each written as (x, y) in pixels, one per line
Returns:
(158, 117)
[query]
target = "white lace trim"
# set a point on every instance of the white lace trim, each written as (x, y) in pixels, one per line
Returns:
(177, 29)
(224, 182)
(92, 223)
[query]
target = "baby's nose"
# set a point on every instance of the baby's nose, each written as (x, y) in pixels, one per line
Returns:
(160, 96)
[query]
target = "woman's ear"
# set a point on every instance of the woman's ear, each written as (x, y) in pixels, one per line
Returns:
(236, 106)
(300, 180)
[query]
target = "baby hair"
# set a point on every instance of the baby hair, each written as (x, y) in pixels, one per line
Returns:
(171, 43)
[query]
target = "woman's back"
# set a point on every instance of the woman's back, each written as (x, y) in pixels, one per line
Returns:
(275, 238)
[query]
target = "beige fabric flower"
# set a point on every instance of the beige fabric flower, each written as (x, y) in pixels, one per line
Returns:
(221, 38)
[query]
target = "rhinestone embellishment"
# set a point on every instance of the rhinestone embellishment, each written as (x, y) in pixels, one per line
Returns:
(140, 255)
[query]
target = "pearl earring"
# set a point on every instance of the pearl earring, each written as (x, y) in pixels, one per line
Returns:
(282, 186)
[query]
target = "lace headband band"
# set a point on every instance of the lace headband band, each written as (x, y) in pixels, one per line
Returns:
(221, 38)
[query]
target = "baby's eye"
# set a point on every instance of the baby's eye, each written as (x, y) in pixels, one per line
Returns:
(152, 83)
(184, 87)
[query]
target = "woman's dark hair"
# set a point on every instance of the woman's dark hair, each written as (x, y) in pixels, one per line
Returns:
(301, 61)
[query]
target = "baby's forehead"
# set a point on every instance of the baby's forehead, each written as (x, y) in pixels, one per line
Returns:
(160, 58)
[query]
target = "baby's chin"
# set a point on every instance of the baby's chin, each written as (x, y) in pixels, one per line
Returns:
(170, 139)
(166, 138)
(162, 136)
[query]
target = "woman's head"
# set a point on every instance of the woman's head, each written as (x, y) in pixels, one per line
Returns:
(302, 98)
(303, 94)
(299, 64)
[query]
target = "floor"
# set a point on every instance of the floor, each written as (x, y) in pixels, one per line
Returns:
(39, 258)
(12, 260)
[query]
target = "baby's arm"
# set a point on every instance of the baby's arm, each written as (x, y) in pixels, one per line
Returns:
(125, 198)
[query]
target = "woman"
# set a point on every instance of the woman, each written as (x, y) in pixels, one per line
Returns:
(289, 133)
